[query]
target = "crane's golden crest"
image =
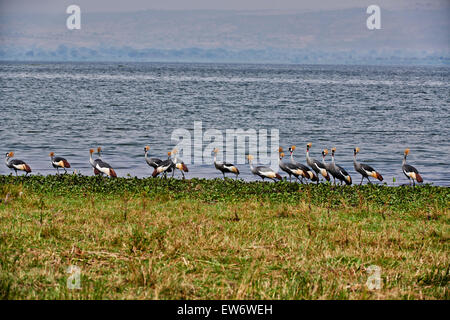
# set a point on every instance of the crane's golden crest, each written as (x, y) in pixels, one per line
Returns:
(51, 154)
(293, 148)
(99, 149)
(11, 154)
(333, 149)
(147, 148)
(325, 151)
(250, 157)
(169, 153)
(91, 151)
(280, 149)
(282, 154)
(357, 149)
(175, 151)
(309, 145)
(215, 150)
(406, 152)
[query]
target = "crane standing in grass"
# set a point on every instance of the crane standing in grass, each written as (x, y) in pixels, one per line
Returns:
(152, 162)
(58, 162)
(288, 167)
(317, 166)
(224, 167)
(306, 172)
(262, 171)
(164, 167)
(16, 164)
(101, 167)
(178, 164)
(338, 172)
(365, 170)
(410, 172)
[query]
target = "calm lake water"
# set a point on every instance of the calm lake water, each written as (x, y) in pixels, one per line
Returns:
(69, 108)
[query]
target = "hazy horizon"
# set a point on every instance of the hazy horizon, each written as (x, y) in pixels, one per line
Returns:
(210, 31)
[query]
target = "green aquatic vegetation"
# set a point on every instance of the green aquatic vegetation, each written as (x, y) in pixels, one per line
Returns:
(220, 239)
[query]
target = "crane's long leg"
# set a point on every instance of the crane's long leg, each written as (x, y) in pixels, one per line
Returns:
(361, 180)
(223, 175)
(369, 180)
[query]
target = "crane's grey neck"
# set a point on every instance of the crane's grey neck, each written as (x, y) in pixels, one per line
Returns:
(332, 157)
(404, 160)
(292, 157)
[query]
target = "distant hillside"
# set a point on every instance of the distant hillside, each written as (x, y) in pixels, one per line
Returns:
(243, 36)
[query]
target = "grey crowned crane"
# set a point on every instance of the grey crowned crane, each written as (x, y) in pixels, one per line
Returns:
(337, 171)
(58, 162)
(224, 167)
(365, 170)
(262, 171)
(178, 164)
(164, 167)
(15, 164)
(152, 162)
(290, 168)
(101, 167)
(328, 165)
(306, 172)
(317, 166)
(410, 172)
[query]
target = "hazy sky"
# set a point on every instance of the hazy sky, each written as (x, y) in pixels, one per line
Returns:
(120, 27)
(53, 6)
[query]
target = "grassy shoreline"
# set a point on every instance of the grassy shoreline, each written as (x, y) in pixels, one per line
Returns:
(213, 239)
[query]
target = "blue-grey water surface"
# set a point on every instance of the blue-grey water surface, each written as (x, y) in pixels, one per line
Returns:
(69, 108)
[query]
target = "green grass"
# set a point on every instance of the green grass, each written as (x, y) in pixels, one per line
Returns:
(215, 239)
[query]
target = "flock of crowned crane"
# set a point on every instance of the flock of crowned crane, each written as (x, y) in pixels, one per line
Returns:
(292, 168)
